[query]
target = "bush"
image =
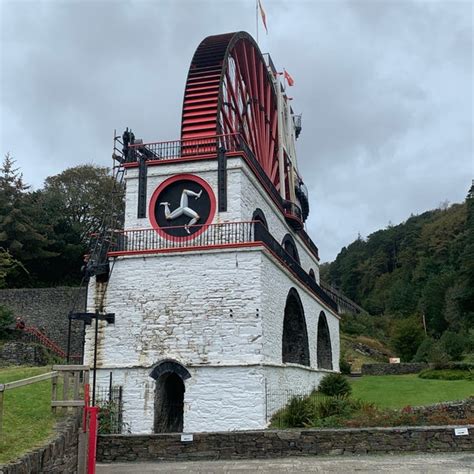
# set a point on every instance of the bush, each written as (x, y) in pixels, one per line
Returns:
(345, 367)
(298, 413)
(454, 344)
(6, 321)
(446, 374)
(335, 385)
(407, 337)
(423, 354)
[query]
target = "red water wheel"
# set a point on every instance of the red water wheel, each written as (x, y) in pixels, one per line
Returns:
(229, 90)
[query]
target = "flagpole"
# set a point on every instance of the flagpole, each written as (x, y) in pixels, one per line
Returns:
(256, 17)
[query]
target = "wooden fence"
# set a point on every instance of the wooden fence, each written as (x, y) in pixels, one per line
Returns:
(74, 377)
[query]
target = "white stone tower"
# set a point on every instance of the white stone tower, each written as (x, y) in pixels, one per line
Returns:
(215, 283)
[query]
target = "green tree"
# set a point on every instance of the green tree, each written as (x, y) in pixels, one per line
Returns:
(407, 337)
(7, 265)
(6, 321)
(80, 198)
(21, 235)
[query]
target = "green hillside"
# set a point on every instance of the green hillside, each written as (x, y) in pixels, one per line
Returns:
(420, 269)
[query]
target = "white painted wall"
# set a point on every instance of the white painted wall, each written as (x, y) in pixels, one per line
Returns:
(195, 307)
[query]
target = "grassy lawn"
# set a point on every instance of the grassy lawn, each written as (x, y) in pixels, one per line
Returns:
(27, 417)
(398, 391)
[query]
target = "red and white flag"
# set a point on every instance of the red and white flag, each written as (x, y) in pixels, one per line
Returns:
(289, 79)
(262, 14)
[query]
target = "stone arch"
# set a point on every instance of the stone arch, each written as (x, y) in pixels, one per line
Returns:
(295, 348)
(312, 274)
(289, 244)
(324, 350)
(259, 216)
(260, 225)
(169, 396)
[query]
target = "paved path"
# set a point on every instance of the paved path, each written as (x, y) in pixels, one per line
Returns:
(460, 463)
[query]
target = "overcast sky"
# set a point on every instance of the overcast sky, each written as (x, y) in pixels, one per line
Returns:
(385, 89)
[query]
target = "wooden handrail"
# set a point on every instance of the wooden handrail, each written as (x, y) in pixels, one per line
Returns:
(28, 381)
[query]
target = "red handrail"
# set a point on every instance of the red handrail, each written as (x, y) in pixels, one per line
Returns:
(46, 341)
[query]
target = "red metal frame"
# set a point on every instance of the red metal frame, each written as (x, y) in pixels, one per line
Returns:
(163, 185)
(46, 341)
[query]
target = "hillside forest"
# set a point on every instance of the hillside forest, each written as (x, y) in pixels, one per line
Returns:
(416, 282)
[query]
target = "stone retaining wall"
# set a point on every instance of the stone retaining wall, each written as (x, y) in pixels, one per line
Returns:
(48, 308)
(459, 409)
(22, 353)
(59, 456)
(393, 369)
(273, 443)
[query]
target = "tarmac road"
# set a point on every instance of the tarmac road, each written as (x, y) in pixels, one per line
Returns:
(460, 463)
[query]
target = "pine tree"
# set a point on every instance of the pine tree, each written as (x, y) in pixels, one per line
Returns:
(20, 234)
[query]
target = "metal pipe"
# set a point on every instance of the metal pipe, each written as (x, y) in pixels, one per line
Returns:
(68, 353)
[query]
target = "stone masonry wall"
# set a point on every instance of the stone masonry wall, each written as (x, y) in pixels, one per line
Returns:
(273, 444)
(48, 308)
(58, 456)
(393, 369)
(21, 353)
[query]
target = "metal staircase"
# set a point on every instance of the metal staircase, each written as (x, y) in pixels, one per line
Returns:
(97, 262)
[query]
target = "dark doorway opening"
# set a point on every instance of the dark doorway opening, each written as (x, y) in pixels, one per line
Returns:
(169, 404)
(324, 351)
(295, 348)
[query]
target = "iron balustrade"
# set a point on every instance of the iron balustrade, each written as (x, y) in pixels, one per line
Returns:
(143, 240)
(188, 148)
(271, 243)
(212, 235)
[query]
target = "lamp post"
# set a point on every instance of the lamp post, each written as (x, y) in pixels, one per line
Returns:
(87, 318)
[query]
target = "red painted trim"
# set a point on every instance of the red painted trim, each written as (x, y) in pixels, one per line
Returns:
(163, 185)
(257, 243)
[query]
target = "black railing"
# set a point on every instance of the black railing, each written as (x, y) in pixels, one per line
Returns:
(146, 240)
(207, 236)
(261, 233)
(307, 240)
(172, 150)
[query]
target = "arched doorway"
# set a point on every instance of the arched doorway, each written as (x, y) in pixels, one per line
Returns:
(169, 396)
(295, 348)
(260, 224)
(324, 352)
(289, 244)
